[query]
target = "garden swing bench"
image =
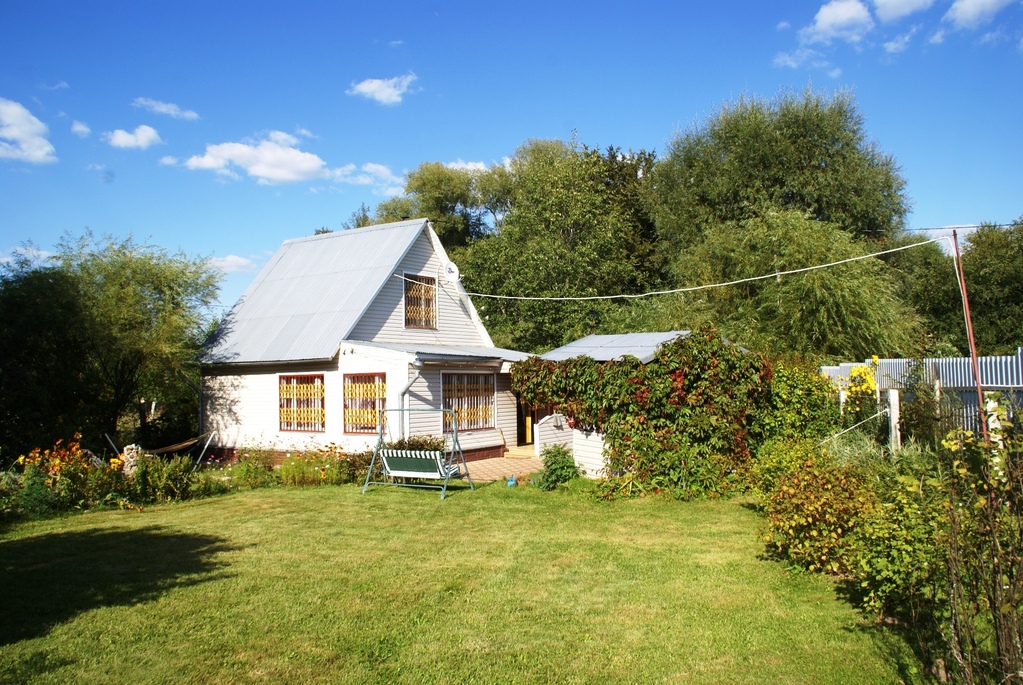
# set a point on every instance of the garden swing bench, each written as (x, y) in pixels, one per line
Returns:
(398, 466)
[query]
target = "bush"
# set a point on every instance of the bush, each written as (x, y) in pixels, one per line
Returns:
(428, 443)
(558, 467)
(811, 513)
(254, 469)
(777, 460)
(802, 403)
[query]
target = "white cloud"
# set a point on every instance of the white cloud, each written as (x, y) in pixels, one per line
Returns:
(270, 161)
(22, 136)
(847, 20)
(835, 73)
(937, 38)
(383, 180)
(969, 14)
(142, 137)
(168, 108)
(782, 26)
(466, 166)
(80, 129)
(168, 160)
(890, 10)
(385, 91)
(233, 264)
(396, 43)
(31, 254)
(59, 85)
(799, 57)
(275, 159)
(900, 43)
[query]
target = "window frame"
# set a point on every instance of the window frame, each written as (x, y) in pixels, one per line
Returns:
(380, 401)
(445, 401)
(429, 305)
(288, 402)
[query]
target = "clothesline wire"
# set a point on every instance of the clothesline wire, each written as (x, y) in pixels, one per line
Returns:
(694, 288)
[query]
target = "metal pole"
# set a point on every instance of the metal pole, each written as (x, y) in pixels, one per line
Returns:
(981, 415)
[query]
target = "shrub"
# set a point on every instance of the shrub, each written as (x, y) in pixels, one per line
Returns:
(558, 467)
(802, 403)
(698, 395)
(777, 460)
(811, 513)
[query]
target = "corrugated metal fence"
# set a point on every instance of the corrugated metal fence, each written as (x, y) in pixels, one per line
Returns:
(952, 377)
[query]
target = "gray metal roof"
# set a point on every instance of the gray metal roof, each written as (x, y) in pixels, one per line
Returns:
(956, 372)
(311, 293)
(604, 348)
(449, 352)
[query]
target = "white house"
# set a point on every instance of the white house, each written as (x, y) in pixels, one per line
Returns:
(339, 326)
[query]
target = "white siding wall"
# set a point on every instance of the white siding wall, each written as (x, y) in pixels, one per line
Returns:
(384, 320)
(587, 447)
(426, 393)
(243, 408)
(551, 430)
(588, 450)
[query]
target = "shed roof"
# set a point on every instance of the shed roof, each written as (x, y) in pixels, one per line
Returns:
(311, 293)
(604, 348)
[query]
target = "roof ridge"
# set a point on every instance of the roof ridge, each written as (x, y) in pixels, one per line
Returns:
(347, 232)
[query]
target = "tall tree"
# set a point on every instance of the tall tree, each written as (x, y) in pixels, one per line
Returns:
(993, 265)
(116, 321)
(445, 196)
(575, 226)
(807, 153)
(848, 311)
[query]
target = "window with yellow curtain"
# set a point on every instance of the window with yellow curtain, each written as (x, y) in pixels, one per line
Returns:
(365, 399)
(420, 301)
(301, 403)
(471, 397)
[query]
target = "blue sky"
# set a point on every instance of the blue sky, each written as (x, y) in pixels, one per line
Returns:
(223, 128)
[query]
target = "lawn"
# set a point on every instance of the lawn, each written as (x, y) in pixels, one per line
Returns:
(500, 585)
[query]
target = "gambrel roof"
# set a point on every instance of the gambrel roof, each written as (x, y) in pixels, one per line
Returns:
(312, 293)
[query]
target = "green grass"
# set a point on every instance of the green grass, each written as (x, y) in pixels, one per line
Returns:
(500, 585)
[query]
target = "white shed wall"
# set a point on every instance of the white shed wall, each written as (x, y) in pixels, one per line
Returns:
(587, 447)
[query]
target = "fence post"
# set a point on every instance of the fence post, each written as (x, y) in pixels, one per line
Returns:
(895, 439)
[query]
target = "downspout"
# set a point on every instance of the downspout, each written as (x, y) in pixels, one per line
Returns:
(417, 364)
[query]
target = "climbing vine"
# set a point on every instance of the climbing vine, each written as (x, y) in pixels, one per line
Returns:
(685, 422)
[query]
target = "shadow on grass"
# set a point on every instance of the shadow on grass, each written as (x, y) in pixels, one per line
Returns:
(49, 579)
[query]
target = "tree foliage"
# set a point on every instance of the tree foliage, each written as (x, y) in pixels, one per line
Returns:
(993, 264)
(851, 310)
(575, 227)
(102, 327)
(806, 153)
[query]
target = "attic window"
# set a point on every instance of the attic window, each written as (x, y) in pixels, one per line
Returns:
(420, 301)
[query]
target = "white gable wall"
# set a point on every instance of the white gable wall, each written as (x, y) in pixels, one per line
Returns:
(384, 319)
